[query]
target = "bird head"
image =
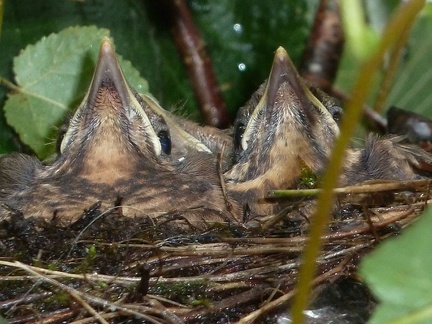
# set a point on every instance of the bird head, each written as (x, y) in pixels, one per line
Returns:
(110, 131)
(283, 128)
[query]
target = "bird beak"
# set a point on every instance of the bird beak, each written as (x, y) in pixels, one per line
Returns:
(282, 72)
(108, 72)
(179, 135)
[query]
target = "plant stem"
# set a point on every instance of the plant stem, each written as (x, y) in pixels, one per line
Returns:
(402, 18)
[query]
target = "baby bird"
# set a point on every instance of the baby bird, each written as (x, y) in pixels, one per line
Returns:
(116, 154)
(386, 158)
(193, 144)
(123, 150)
(282, 129)
(196, 137)
(288, 126)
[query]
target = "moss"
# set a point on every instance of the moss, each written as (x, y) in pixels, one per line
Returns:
(56, 301)
(308, 179)
(191, 293)
(88, 261)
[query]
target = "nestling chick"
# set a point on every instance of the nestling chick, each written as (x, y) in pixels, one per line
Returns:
(189, 143)
(386, 158)
(281, 129)
(114, 153)
(193, 137)
(288, 125)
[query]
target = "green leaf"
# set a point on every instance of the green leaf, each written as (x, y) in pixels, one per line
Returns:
(412, 85)
(141, 36)
(399, 273)
(52, 76)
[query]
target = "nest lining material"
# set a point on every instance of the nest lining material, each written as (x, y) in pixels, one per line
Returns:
(117, 268)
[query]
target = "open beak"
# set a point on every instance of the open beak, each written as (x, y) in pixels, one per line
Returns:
(108, 73)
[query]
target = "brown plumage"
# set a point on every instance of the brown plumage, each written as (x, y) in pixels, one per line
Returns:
(123, 150)
(191, 141)
(113, 152)
(288, 125)
(386, 158)
(280, 130)
(192, 137)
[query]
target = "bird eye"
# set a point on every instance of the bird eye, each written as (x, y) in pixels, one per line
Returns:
(238, 136)
(62, 132)
(337, 113)
(165, 141)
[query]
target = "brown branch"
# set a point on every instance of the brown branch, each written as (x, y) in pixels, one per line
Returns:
(199, 66)
(321, 57)
(60, 315)
(26, 299)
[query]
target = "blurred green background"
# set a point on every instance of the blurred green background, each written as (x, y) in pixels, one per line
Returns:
(236, 32)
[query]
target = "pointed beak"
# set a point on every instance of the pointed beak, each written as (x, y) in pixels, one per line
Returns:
(109, 70)
(283, 72)
(109, 73)
(181, 137)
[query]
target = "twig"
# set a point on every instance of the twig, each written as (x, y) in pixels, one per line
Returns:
(86, 306)
(91, 319)
(251, 317)
(278, 217)
(24, 300)
(395, 216)
(198, 64)
(321, 58)
(227, 303)
(82, 295)
(165, 312)
(365, 188)
(56, 316)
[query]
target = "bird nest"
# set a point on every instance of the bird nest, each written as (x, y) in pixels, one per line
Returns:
(115, 269)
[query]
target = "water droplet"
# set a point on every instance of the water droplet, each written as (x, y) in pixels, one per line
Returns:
(241, 67)
(238, 28)
(315, 67)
